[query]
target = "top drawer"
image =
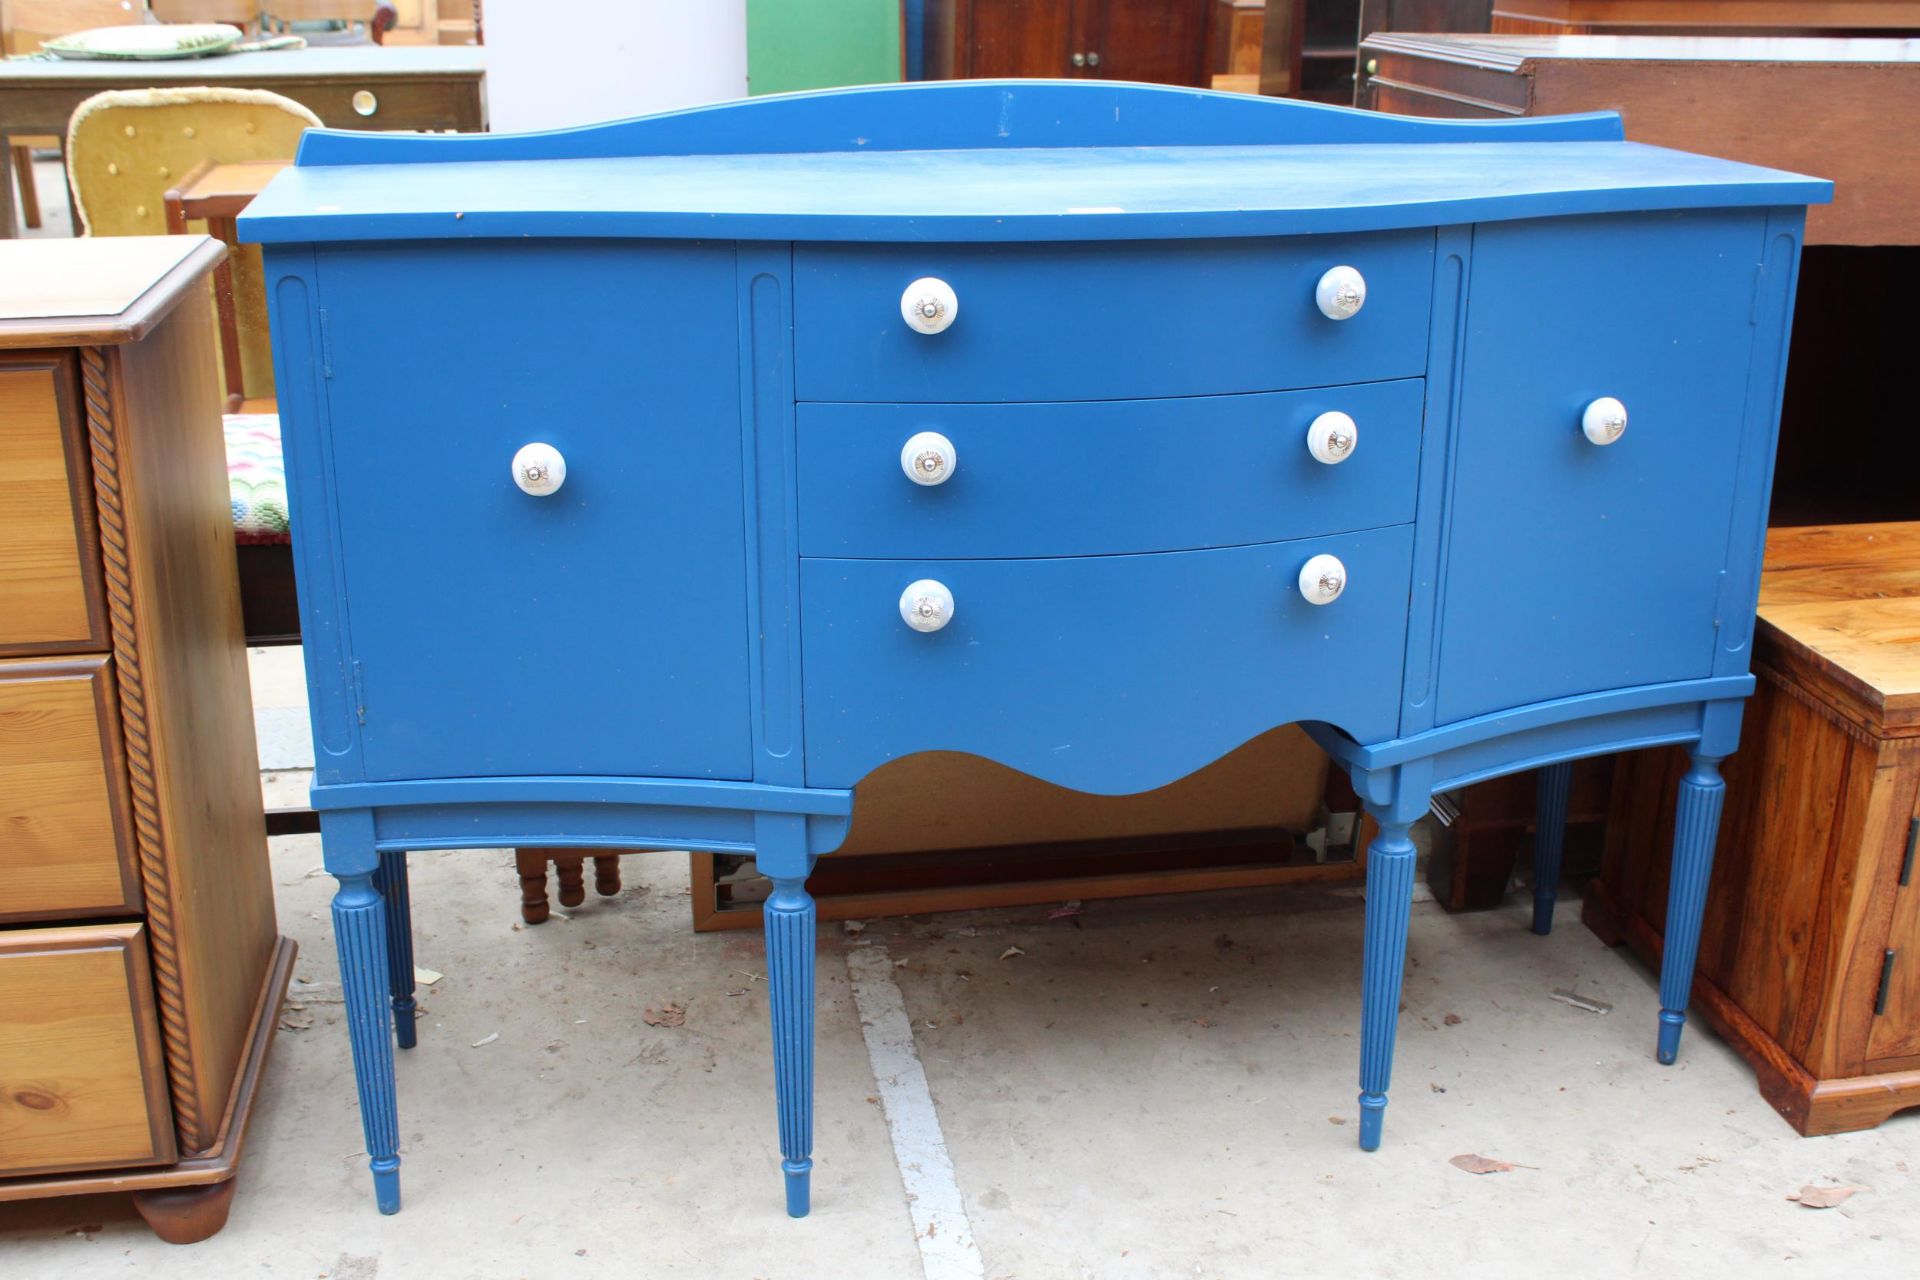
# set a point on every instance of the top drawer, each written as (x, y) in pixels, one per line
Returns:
(49, 566)
(1119, 320)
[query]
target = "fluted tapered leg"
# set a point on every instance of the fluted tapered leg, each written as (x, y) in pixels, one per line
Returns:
(360, 932)
(790, 940)
(1549, 837)
(391, 881)
(1696, 827)
(1389, 900)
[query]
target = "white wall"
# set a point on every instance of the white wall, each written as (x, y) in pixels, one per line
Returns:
(553, 63)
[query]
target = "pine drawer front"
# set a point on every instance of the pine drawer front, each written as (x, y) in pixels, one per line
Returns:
(1105, 477)
(81, 1079)
(49, 562)
(65, 834)
(1117, 320)
(1105, 673)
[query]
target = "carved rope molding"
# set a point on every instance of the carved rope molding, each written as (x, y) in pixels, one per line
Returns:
(163, 938)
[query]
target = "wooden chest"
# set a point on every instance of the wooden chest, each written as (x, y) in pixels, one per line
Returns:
(139, 968)
(1810, 958)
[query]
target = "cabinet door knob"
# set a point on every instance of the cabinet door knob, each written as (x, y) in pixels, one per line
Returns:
(1604, 421)
(1093, 58)
(1341, 293)
(926, 605)
(539, 469)
(1079, 59)
(1322, 579)
(928, 458)
(929, 305)
(1332, 437)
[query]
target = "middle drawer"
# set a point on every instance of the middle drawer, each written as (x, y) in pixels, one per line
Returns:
(1108, 476)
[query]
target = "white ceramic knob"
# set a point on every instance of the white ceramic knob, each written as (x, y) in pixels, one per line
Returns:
(1341, 293)
(539, 469)
(928, 458)
(1322, 579)
(1332, 437)
(1604, 421)
(929, 305)
(926, 605)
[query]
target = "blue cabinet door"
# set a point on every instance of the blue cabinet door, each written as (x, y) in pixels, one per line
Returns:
(600, 629)
(1576, 567)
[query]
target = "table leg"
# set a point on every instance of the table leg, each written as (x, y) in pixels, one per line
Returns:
(360, 933)
(789, 922)
(391, 880)
(1549, 836)
(227, 231)
(1696, 827)
(7, 231)
(1390, 863)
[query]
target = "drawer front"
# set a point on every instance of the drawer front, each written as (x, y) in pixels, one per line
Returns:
(1116, 320)
(1108, 674)
(81, 1080)
(597, 629)
(1104, 477)
(50, 598)
(63, 802)
(1575, 567)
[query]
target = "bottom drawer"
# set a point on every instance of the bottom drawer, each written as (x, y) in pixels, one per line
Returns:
(1108, 674)
(82, 1085)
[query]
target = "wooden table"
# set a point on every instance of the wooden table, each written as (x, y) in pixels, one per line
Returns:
(360, 87)
(215, 194)
(1851, 104)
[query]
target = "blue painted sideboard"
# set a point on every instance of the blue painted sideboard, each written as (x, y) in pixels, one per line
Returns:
(1091, 428)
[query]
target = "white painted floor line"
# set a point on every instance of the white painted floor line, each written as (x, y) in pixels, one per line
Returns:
(940, 1226)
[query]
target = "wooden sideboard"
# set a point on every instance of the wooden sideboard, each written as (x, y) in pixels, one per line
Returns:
(1758, 17)
(1853, 103)
(1160, 41)
(140, 971)
(1810, 959)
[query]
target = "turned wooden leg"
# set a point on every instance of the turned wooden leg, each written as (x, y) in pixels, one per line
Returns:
(1549, 837)
(532, 865)
(1695, 829)
(186, 1215)
(569, 867)
(606, 874)
(29, 200)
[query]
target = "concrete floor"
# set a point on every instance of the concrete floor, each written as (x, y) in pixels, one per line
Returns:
(1155, 1088)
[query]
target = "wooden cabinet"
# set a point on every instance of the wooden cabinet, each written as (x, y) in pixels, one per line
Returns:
(140, 973)
(1810, 955)
(1158, 41)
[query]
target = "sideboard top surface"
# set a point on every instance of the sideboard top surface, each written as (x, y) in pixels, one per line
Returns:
(1094, 162)
(97, 289)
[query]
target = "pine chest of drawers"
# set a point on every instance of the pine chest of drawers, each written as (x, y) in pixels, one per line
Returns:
(1092, 429)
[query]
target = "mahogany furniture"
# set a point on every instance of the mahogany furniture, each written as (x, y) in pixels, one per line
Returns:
(1756, 17)
(1810, 957)
(1853, 101)
(1158, 41)
(140, 971)
(913, 433)
(348, 87)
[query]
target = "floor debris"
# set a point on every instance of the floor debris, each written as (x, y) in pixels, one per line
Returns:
(486, 1039)
(1485, 1164)
(671, 1014)
(1011, 952)
(1812, 1197)
(1578, 1001)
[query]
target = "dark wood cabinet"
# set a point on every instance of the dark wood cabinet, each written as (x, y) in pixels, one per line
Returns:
(1158, 41)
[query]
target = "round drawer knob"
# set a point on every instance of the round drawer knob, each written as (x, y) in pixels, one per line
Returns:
(1322, 579)
(1604, 421)
(928, 458)
(1341, 293)
(539, 469)
(1332, 437)
(926, 605)
(364, 103)
(929, 305)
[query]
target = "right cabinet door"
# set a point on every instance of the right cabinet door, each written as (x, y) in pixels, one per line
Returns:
(1573, 566)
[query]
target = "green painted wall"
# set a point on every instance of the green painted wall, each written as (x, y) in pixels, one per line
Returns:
(821, 44)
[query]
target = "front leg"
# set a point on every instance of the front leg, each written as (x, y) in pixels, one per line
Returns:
(1549, 837)
(360, 932)
(1390, 860)
(1696, 828)
(790, 930)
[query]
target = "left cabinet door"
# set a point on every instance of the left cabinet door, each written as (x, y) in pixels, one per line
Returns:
(82, 1082)
(599, 628)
